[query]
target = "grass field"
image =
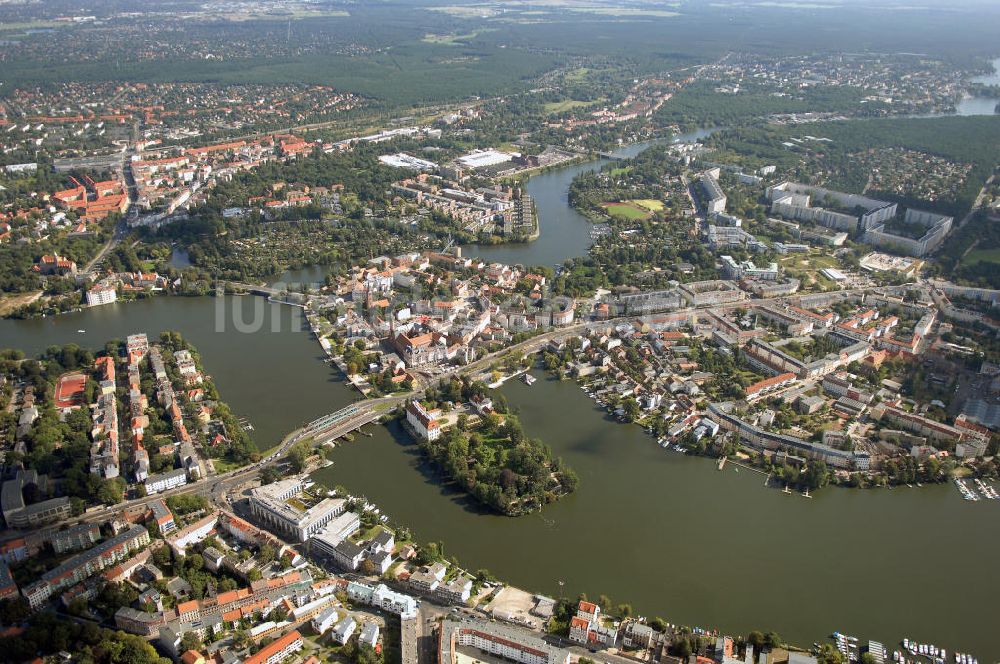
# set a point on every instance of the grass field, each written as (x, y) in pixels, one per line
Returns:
(30, 25)
(808, 262)
(625, 210)
(567, 105)
(981, 256)
(452, 39)
(648, 203)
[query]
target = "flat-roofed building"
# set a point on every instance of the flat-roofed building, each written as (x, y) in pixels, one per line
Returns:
(272, 504)
(165, 481)
(86, 564)
(511, 643)
(342, 527)
(75, 538)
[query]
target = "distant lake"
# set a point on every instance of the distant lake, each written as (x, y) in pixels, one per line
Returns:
(981, 105)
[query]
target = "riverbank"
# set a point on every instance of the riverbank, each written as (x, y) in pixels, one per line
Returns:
(666, 532)
(691, 518)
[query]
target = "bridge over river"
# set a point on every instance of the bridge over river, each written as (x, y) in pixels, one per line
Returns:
(334, 425)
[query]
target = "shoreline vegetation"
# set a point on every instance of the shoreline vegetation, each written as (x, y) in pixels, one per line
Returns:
(489, 457)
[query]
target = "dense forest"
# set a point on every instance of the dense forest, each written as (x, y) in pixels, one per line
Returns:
(699, 105)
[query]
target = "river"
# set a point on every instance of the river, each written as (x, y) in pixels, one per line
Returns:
(668, 533)
(675, 537)
(981, 105)
(565, 233)
(276, 379)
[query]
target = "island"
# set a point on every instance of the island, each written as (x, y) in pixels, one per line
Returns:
(483, 449)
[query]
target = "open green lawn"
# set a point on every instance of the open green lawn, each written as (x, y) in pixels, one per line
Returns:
(808, 262)
(30, 25)
(625, 210)
(452, 39)
(648, 203)
(981, 256)
(566, 105)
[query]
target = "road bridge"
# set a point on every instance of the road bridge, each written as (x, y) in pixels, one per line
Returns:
(334, 425)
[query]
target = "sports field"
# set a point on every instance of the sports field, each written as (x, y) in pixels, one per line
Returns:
(648, 203)
(69, 390)
(625, 210)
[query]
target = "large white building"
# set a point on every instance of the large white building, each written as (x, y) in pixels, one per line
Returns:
(271, 504)
(325, 621)
(380, 596)
(102, 294)
(715, 198)
(339, 529)
(403, 160)
(483, 158)
(165, 481)
(792, 200)
(931, 231)
(424, 422)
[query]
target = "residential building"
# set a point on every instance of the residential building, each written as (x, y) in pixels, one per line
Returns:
(427, 579)
(705, 293)
(14, 550)
(715, 198)
(456, 591)
(510, 643)
(348, 555)
(922, 426)
(933, 228)
(638, 635)
(75, 538)
(86, 564)
(163, 517)
(587, 626)
(343, 630)
(100, 294)
(8, 589)
(794, 201)
(761, 439)
(277, 650)
(143, 623)
(165, 481)
(194, 532)
(325, 620)
(382, 597)
(369, 634)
